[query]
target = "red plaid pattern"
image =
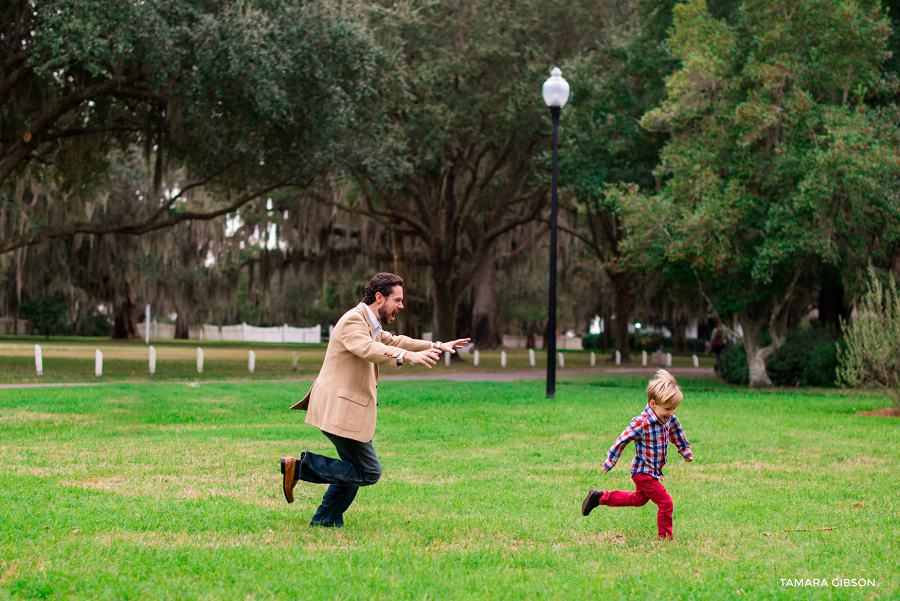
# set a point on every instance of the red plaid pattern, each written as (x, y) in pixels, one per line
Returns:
(651, 441)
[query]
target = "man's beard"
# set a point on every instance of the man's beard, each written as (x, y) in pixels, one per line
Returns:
(383, 315)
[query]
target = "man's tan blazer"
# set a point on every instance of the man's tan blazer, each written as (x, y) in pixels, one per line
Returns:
(343, 398)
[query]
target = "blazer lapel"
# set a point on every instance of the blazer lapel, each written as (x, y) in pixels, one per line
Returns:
(365, 314)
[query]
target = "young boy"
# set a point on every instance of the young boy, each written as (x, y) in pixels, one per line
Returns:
(651, 432)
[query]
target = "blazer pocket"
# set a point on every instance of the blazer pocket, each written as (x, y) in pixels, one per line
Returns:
(351, 409)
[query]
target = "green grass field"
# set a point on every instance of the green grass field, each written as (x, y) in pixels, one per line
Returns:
(171, 491)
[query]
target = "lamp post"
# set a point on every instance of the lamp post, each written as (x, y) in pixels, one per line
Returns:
(556, 94)
(637, 336)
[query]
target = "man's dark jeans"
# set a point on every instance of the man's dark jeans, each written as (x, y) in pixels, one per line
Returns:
(358, 466)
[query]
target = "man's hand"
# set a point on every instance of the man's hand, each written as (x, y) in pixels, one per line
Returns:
(427, 357)
(451, 346)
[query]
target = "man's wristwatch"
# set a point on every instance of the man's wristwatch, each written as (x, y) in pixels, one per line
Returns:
(437, 345)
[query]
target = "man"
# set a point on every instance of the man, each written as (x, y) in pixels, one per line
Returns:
(342, 400)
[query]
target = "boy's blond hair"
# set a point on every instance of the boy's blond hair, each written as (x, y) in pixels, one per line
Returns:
(663, 390)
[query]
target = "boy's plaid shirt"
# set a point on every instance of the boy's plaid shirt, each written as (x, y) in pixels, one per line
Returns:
(651, 440)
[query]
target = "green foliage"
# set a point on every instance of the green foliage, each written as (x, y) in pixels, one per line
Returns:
(95, 323)
(595, 341)
(775, 162)
(228, 101)
(467, 109)
(733, 365)
(46, 314)
(696, 345)
(871, 357)
(808, 357)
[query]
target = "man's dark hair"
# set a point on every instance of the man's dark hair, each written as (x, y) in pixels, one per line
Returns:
(383, 283)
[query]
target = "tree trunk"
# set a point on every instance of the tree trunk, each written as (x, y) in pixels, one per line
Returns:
(77, 312)
(605, 341)
(182, 327)
(484, 305)
(531, 335)
(679, 339)
(756, 355)
(622, 285)
(445, 300)
(125, 322)
(401, 326)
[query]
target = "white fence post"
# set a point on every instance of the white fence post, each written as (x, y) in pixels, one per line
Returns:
(644, 358)
(38, 360)
(593, 358)
(294, 358)
(618, 358)
(531, 356)
(147, 324)
(152, 360)
(476, 358)
(668, 359)
(696, 361)
(199, 360)
(251, 362)
(562, 359)
(98, 363)
(502, 358)
(447, 359)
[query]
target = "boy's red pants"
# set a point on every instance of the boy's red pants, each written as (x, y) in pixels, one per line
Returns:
(648, 488)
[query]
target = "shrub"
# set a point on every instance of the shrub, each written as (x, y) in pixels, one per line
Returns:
(591, 341)
(733, 364)
(594, 341)
(808, 357)
(696, 345)
(653, 341)
(47, 314)
(871, 355)
(95, 324)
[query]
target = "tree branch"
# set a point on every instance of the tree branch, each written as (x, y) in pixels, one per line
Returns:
(135, 228)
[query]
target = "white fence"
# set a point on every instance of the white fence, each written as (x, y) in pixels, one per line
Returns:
(8, 325)
(158, 330)
(238, 333)
(563, 343)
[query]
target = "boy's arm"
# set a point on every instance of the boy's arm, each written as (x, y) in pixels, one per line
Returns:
(612, 456)
(677, 437)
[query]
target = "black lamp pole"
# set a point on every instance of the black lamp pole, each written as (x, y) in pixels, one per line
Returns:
(551, 322)
(555, 92)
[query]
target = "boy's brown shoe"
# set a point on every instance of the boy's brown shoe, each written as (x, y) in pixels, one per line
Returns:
(590, 501)
(288, 467)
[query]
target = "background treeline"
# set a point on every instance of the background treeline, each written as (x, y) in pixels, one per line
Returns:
(732, 162)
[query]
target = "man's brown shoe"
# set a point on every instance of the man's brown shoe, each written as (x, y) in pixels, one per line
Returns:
(288, 468)
(590, 501)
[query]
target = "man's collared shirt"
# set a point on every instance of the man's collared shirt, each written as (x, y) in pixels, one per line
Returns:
(376, 327)
(651, 440)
